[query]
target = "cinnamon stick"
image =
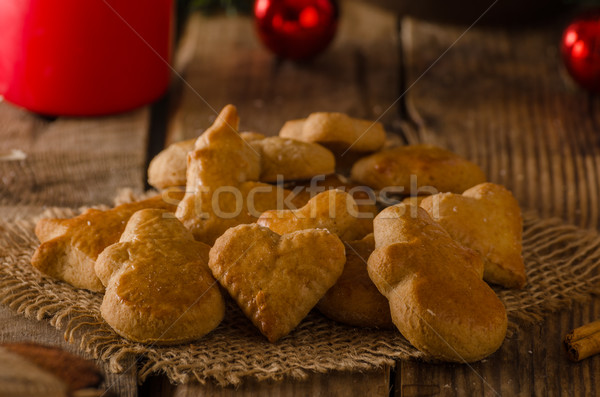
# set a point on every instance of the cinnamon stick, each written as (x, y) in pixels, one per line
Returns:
(583, 342)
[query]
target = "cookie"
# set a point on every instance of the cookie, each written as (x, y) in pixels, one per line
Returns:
(276, 280)
(333, 210)
(354, 299)
(417, 170)
(364, 196)
(159, 289)
(337, 131)
(220, 156)
(289, 159)
(69, 247)
(434, 285)
(167, 169)
(487, 219)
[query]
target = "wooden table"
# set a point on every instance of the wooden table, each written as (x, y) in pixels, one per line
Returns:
(498, 96)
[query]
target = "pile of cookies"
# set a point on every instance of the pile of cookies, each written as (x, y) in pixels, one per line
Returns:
(409, 238)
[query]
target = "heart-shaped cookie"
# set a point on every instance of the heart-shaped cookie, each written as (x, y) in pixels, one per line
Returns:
(487, 219)
(276, 280)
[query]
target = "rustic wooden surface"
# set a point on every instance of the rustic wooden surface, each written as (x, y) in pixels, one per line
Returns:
(497, 96)
(71, 161)
(68, 162)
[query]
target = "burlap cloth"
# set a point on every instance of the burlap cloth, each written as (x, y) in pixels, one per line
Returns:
(562, 266)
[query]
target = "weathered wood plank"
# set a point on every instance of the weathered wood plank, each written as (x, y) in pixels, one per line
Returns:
(18, 127)
(71, 161)
(375, 383)
(222, 61)
(123, 133)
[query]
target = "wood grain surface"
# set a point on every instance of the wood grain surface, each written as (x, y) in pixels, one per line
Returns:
(71, 161)
(498, 96)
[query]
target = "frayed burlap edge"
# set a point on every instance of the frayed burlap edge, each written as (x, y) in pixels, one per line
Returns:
(562, 266)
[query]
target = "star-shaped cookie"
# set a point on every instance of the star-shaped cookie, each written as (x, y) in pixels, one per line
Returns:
(69, 247)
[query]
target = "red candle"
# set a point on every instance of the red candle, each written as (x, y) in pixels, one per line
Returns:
(84, 57)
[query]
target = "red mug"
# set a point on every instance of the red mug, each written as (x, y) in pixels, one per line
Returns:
(84, 57)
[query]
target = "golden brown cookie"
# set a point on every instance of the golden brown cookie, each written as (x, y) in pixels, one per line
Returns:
(69, 247)
(354, 299)
(158, 286)
(168, 168)
(211, 211)
(414, 200)
(220, 156)
(333, 210)
(290, 159)
(220, 189)
(487, 219)
(435, 169)
(276, 280)
(365, 197)
(218, 194)
(437, 298)
(251, 136)
(337, 131)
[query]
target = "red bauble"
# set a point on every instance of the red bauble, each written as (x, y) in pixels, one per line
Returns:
(296, 29)
(580, 48)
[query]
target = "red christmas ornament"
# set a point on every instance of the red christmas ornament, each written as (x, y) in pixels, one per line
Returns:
(580, 48)
(296, 29)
